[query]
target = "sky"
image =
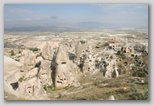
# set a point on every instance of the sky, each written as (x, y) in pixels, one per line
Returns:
(76, 15)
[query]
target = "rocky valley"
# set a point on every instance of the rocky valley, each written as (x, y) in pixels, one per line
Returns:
(104, 65)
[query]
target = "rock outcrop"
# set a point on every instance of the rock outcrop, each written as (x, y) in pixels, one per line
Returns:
(45, 72)
(48, 49)
(28, 60)
(23, 84)
(11, 75)
(66, 70)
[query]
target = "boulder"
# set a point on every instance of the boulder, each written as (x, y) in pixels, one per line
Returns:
(111, 97)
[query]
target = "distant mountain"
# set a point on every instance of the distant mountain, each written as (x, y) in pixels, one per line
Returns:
(95, 25)
(41, 28)
(81, 26)
(30, 28)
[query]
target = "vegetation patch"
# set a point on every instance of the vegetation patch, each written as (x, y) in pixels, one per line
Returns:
(82, 42)
(38, 55)
(136, 95)
(20, 79)
(34, 49)
(12, 53)
(19, 52)
(121, 55)
(45, 87)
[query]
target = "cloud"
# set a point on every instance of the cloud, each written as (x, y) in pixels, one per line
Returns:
(7, 20)
(54, 17)
(142, 6)
(121, 6)
(17, 10)
(127, 12)
(28, 19)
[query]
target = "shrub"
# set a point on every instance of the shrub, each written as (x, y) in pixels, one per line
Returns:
(71, 56)
(20, 79)
(34, 49)
(121, 55)
(38, 55)
(12, 53)
(19, 52)
(59, 95)
(45, 87)
(50, 87)
(135, 95)
(82, 41)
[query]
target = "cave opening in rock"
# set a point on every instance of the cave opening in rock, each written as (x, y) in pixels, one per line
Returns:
(63, 63)
(15, 85)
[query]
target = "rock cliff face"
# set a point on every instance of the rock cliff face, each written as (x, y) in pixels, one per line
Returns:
(66, 71)
(107, 64)
(85, 58)
(22, 84)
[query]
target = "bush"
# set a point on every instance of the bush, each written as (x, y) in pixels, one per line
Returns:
(135, 95)
(19, 52)
(82, 41)
(121, 55)
(45, 87)
(20, 79)
(59, 95)
(34, 49)
(12, 53)
(71, 56)
(38, 55)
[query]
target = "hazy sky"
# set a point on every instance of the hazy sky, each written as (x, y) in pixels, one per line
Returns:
(124, 15)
